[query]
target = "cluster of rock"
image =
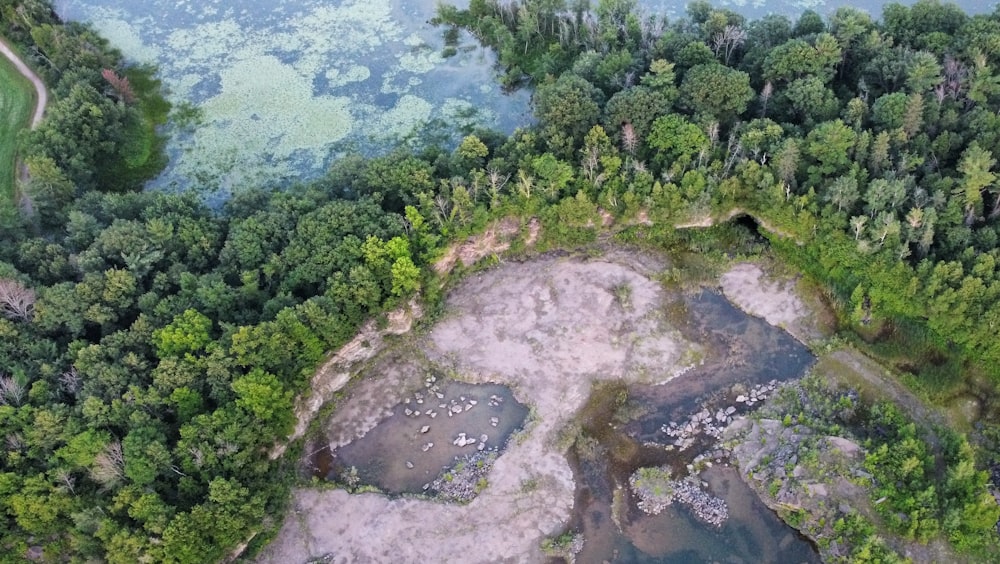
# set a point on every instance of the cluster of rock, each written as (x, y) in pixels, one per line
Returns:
(453, 407)
(465, 479)
(757, 394)
(706, 507)
(420, 403)
(702, 422)
(462, 440)
(713, 423)
(656, 491)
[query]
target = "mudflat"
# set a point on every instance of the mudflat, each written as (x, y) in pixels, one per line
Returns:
(548, 328)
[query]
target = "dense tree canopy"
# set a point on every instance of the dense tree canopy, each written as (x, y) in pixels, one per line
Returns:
(150, 347)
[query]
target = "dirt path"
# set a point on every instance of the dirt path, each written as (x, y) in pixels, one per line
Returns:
(41, 102)
(861, 371)
(41, 92)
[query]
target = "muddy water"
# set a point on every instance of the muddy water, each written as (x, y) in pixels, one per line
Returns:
(623, 430)
(384, 456)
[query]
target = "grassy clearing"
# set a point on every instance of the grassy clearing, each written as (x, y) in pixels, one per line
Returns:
(17, 98)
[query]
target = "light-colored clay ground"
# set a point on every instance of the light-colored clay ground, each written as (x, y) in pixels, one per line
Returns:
(771, 298)
(548, 328)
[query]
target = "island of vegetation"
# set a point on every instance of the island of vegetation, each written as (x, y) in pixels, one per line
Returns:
(156, 354)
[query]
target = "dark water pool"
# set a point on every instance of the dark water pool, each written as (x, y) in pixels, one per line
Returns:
(395, 457)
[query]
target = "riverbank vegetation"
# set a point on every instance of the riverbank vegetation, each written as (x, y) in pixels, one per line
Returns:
(151, 346)
(920, 477)
(100, 128)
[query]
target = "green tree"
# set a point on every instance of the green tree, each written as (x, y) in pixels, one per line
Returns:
(263, 396)
(976, 168)
(810, 101)
(716, 90)
(566, 109)
(829, 146)
(187, 334)
(798, 58)
(676, 141)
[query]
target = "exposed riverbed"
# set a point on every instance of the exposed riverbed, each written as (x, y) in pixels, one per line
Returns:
(586, 343)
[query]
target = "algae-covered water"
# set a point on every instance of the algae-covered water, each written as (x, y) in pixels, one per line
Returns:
(284, 86)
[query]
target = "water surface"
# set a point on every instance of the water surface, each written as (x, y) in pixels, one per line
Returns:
(284, 86)
(393, 457)
(743, 352)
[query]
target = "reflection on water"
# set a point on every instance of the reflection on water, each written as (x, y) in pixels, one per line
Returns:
(623, 433)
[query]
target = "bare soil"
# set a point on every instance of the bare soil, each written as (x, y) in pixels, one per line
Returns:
(496, 239)
(549, 328)
(773, 298)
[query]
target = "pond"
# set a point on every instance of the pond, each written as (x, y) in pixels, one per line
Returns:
(427, 433)
(285, 86)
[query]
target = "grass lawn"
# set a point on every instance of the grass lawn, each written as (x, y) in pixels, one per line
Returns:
(16, 103)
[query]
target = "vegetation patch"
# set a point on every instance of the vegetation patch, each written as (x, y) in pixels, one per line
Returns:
(16, 105)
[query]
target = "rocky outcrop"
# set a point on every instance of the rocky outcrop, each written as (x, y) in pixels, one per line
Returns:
(656, 491)
(795, 471)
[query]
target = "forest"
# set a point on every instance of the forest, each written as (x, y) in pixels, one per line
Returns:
(151, 346)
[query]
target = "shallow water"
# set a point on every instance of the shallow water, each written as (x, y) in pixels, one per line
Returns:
(747, 350)
(752, 533)
(744, 351)
(380, 456)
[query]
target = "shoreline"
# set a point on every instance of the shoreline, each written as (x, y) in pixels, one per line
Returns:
(531, 489)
